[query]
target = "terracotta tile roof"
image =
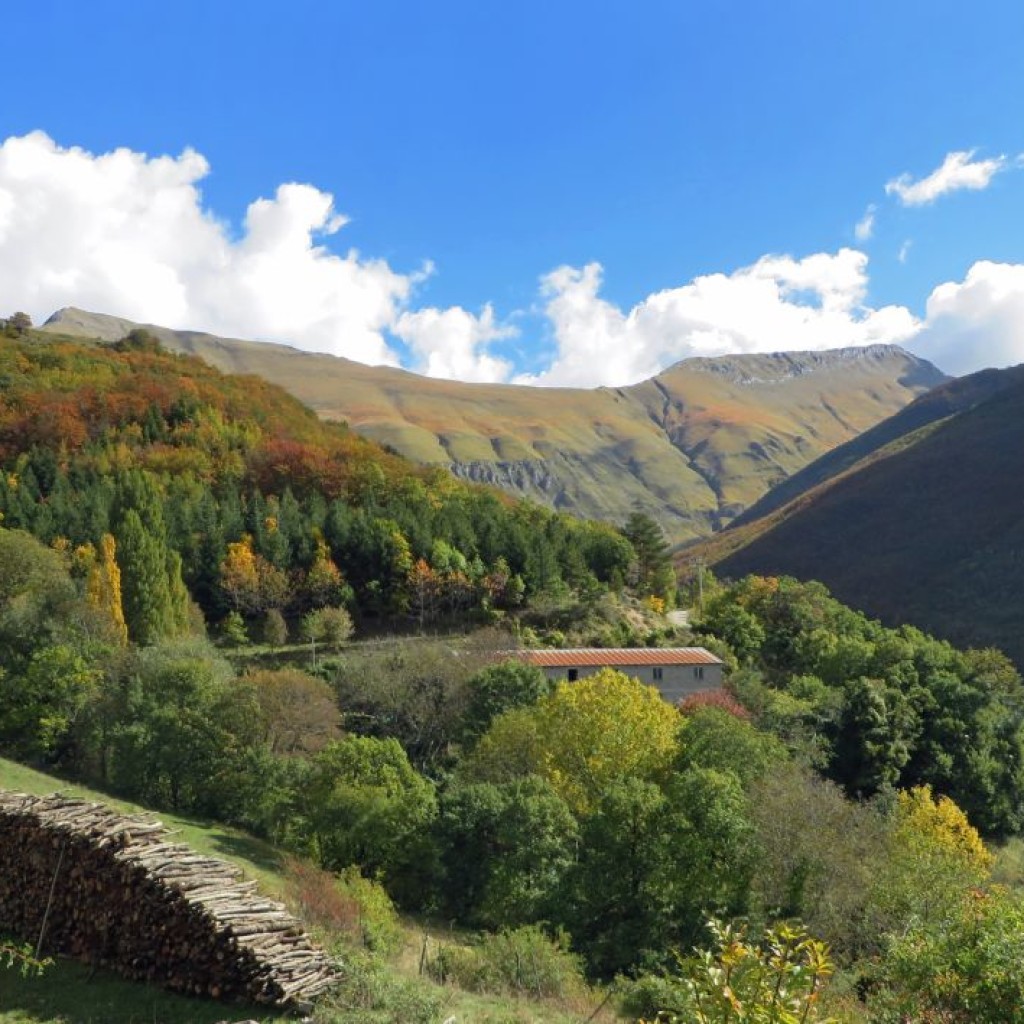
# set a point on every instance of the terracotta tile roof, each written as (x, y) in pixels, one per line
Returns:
(617, 657)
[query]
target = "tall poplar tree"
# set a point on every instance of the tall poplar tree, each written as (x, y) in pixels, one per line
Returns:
(103, 587)
(146, 594)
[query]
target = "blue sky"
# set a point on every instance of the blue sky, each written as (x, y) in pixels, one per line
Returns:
(478, 148)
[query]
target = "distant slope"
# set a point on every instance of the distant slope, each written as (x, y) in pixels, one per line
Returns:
(693, 446)
(956, 395)
(926, 528)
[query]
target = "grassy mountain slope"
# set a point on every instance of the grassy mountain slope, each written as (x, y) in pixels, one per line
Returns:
(927, 528)
(693, 446)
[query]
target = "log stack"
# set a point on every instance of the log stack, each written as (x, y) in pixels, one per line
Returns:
(82, 880)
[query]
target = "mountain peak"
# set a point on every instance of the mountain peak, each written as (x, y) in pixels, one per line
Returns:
(751, 368)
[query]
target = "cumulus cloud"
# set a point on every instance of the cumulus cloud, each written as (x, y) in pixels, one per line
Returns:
(958, 171)
(453, 343)
(125, 233)
(975, 323)
(865, 227)
(778, 303)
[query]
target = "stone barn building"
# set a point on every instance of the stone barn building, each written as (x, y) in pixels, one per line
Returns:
(675, 671)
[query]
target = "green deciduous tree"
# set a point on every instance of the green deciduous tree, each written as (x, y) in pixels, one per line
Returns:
(653, 863)
(504, 851)
(48, 648)
(584, 736)
(299, 713)
(182, 730)
(967, 968)
(499, 688)
(365, 804)
(274, 629)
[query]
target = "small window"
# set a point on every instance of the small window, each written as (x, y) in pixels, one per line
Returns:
(698, 673)
(657, 675)
(573, 675)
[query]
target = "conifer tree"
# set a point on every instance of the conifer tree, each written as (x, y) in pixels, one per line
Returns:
(146, 593)
(180, 602)
(652, 569)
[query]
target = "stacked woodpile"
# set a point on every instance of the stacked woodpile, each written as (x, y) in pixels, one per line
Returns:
(85, 881)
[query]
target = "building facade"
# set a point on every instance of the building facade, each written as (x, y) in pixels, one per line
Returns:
(675, 671)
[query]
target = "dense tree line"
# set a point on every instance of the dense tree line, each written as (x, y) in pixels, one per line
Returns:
(228, 488)
(878, 708)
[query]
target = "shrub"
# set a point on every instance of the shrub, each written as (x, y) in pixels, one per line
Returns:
(967, 968)
(370, 993)
(521, 962)
(776, 979)
(348, 905)
(275, 629)
(18, 956)
(714, 699)
(233, 630)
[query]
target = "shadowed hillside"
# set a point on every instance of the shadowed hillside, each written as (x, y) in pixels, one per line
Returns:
(692, 447)
(927, 529)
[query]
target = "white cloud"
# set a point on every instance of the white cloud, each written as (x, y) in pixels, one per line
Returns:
(125, 233)
(865, 227)
(958, 171)
(779, 303)
(452, 343)
(976, 322)
(904, 251)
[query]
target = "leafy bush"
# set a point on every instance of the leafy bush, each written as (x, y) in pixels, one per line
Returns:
(16, 955)
(347, 904)
(774, 979)
(521, 962)
(965, 969)
(371, 994)
(714, 699)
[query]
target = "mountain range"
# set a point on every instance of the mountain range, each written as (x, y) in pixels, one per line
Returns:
(693, 447)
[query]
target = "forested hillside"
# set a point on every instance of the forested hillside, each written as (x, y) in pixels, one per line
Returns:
(691, 447)
(225, 490)
(585, 829)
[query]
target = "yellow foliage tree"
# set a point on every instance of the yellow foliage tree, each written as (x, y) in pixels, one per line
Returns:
(324, 584)
(583, 737)
(251, 583)
(238, 573)
(103, 584)
(923, 819)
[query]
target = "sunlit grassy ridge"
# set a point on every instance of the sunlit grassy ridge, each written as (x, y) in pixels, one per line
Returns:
(693, 446)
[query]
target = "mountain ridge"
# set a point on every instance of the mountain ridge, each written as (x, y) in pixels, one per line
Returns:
(693, 446)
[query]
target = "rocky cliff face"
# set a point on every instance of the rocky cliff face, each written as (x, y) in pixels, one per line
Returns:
(692, 447)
